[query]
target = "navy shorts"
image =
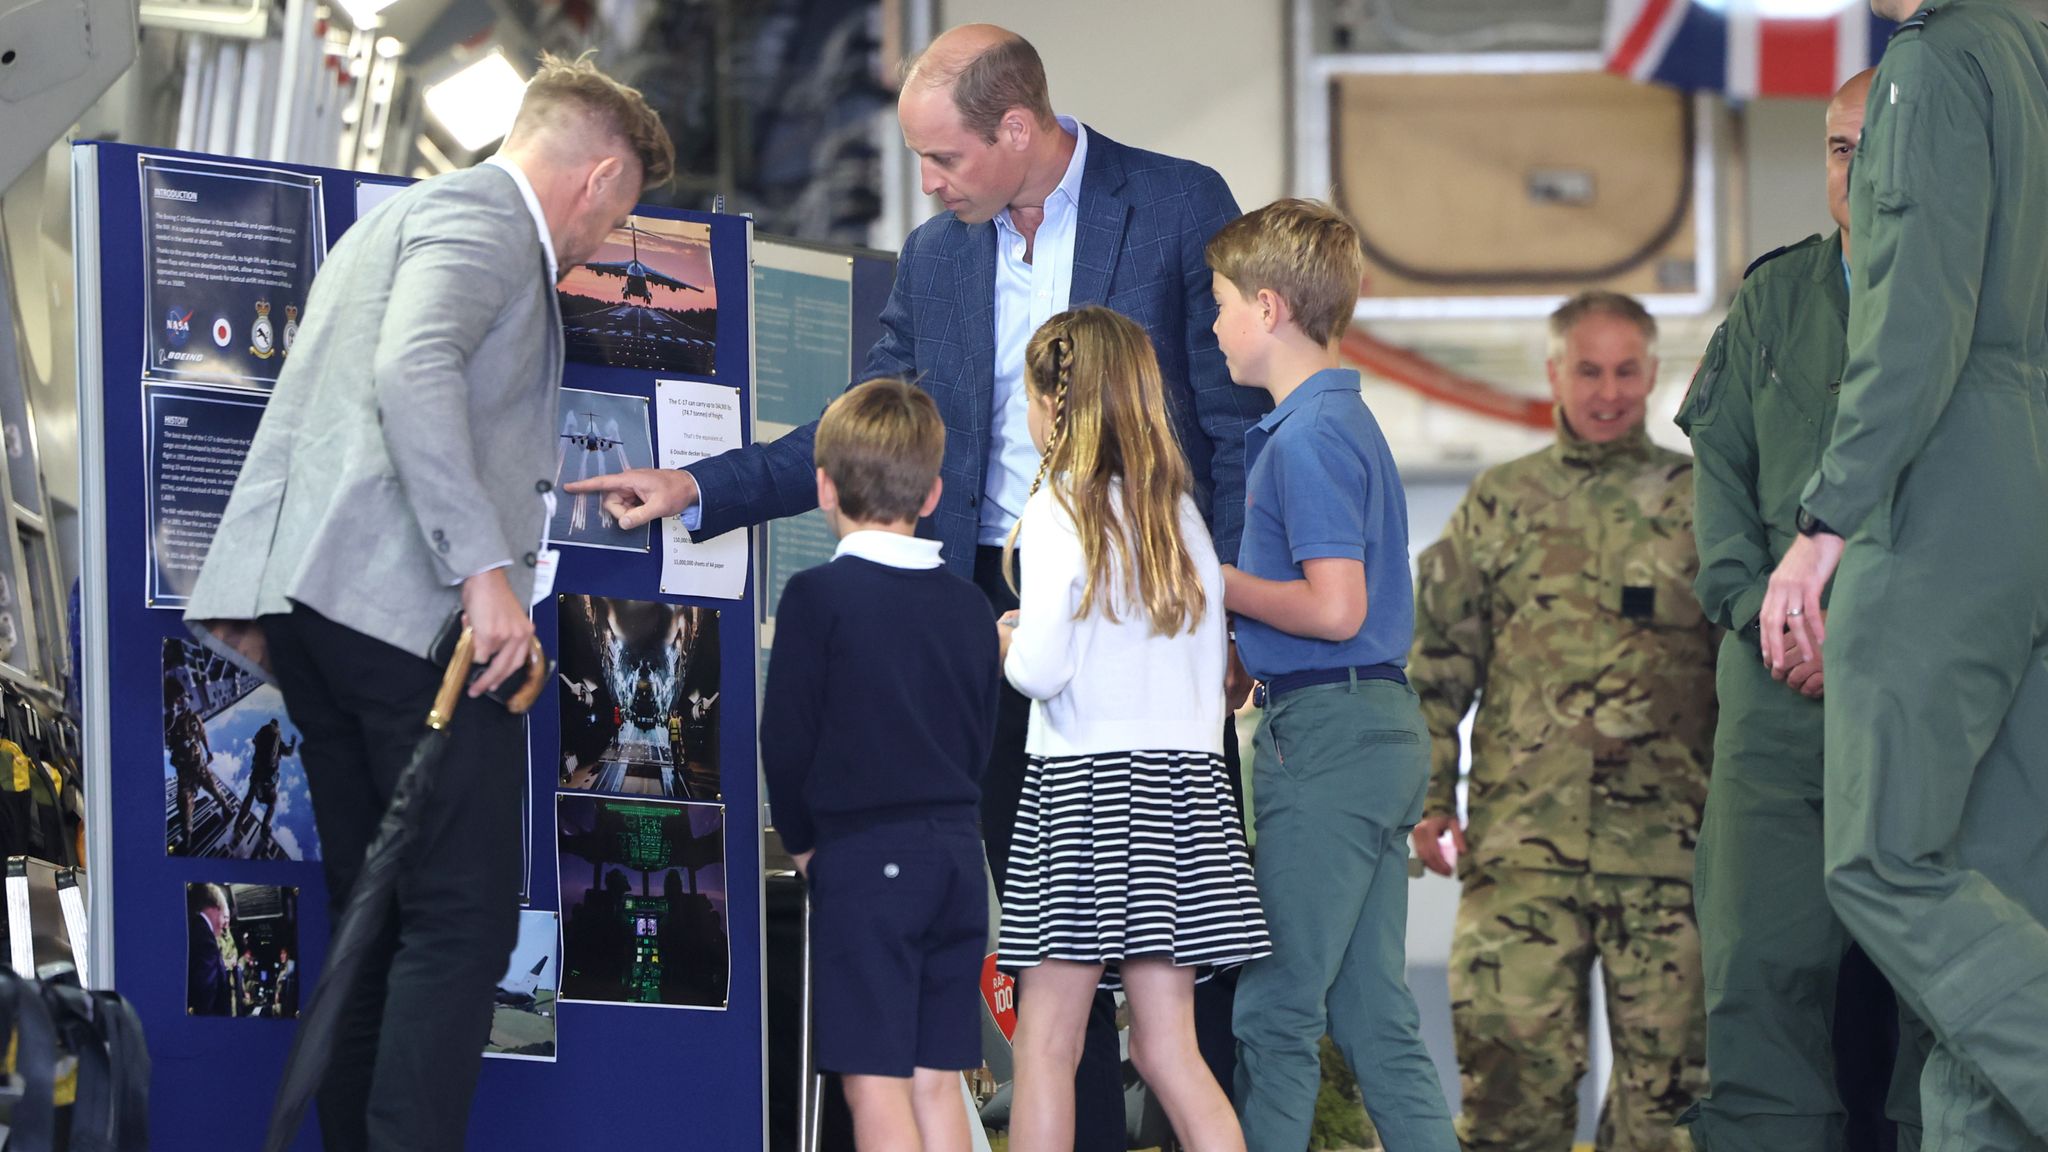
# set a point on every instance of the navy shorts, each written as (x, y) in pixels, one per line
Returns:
(899, 928)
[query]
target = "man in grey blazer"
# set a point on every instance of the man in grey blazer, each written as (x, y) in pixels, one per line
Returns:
(402, 473)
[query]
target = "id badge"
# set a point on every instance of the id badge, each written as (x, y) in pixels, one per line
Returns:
(547, 559)
(545, 562)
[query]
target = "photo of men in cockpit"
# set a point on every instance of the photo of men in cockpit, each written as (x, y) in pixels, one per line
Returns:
(240, 943)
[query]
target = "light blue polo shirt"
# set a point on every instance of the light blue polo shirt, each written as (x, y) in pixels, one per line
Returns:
(1320, 483)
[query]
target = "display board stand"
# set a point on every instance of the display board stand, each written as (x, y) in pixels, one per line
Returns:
(170, 376)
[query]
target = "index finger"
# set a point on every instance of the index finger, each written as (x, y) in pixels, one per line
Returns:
(612, 482)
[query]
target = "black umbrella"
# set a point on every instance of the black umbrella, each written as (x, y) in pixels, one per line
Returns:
(370, 900)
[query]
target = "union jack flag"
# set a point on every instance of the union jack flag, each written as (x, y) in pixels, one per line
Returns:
(1745, 48)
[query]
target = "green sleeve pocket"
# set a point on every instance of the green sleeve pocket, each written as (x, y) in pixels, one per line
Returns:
(1891, 138)
(1697, 411)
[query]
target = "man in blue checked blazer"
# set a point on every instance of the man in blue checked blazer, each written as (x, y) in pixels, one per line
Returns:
(1050, 217)
(1042, 215)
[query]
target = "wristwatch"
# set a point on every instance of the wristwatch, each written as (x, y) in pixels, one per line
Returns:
(1811, 525)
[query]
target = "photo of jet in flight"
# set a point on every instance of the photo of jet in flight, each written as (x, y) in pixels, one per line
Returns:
(602, 432)
(590, 441)
(636, 273)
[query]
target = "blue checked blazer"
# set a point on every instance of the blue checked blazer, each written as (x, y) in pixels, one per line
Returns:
(1144, 220)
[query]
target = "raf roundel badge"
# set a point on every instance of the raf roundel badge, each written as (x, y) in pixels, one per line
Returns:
(291, 327)
(262, 342)
(223, 332)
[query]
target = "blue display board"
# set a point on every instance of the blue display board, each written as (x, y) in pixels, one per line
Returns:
(624, 1074)
(808, 379)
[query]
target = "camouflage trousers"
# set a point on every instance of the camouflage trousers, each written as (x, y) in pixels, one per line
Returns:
(1521, 960)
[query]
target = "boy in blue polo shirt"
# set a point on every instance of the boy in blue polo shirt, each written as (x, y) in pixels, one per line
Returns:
(875, 726)
(1325, 615)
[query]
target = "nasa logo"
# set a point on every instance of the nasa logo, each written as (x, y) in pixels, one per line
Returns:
(177, 327)
(223, 332)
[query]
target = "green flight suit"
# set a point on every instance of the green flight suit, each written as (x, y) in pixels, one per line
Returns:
(1759, 414)
(1937, 647)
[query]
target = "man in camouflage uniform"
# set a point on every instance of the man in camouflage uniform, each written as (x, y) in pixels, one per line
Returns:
(1759, 414)
(1560, 597)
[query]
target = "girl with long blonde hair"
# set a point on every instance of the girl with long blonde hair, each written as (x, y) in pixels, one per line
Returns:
(1128, 865)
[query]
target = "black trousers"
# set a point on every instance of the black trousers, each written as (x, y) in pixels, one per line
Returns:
(1867, 1045)
(410, 1044)
(1099, 1123)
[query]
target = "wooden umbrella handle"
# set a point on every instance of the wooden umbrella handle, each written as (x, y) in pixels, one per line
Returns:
(452, 681)
(457, 676)
(536, 678)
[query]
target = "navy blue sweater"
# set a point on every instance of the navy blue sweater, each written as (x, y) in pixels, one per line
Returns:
(881, 699)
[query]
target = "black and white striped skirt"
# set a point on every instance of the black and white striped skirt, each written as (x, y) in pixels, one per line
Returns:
(1127, 855)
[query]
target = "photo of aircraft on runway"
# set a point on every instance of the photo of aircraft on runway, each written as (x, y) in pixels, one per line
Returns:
(523, 1007)
(637, 274)
(647, 301)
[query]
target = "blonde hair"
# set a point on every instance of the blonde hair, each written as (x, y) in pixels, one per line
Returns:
(613, 108)
(1304, 252)
(1599, 302)
(881, 443)
(1109, 422)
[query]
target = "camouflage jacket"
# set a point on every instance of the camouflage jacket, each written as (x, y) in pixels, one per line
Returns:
(1560, 597)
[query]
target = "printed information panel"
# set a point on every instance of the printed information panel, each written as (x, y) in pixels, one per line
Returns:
(229, 253)
(197, 442)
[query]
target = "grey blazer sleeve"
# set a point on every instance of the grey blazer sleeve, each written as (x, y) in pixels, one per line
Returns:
(455, 273)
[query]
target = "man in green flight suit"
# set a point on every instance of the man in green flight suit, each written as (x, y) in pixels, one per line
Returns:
(1759, 414)
(1560, 598)
(1932, 497)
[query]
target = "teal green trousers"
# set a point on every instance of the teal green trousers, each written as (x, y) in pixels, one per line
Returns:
(1337, 783)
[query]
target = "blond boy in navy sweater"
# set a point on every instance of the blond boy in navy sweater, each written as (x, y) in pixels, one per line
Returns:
(879, 713)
